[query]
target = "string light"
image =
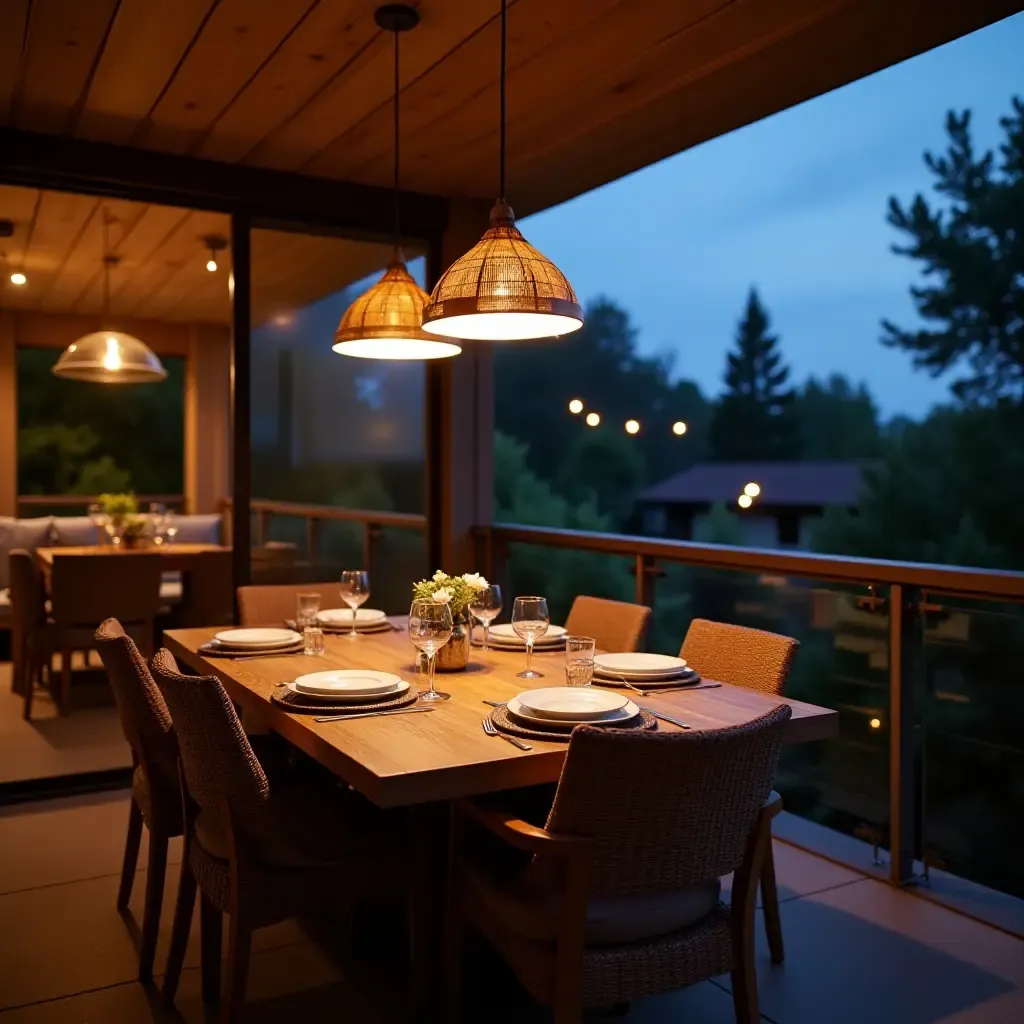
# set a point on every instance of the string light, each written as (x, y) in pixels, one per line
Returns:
(593, 419)
(679, 428)
(18, 278)
(632, 427)
(575, 407)
(875, 723)
(752, 490)
(744, 501)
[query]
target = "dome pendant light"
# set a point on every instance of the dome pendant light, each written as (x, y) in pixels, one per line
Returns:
(502, 289)
(386, 322)
(106, 356)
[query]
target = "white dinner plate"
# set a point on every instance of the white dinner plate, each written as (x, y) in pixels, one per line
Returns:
(349, 698)
(506, 632)
(508, 645)
(354, 682)
(571, 703)
(343, 616)
(624, 714)
(257, 639)
(637, 664)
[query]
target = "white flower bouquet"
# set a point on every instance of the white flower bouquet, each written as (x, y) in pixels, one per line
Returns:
(455, 591)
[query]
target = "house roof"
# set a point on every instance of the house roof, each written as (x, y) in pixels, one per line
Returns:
(811, 484)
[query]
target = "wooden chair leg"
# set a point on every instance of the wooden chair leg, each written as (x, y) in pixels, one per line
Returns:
(239, 946)
(155, 874)
(211, 923)
(28, 684)
(65, 681)
(770, 904)
(182, 926)
(131, 856)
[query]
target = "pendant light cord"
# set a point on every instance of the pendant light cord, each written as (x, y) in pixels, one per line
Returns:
(504, 39)
(398, 231)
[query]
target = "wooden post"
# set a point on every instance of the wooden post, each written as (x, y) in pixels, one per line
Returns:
(207, 417)
(8, 416)
(460, 420)
(241, 402)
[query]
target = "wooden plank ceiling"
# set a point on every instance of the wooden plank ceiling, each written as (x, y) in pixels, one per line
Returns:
(162, 275)
(597, 88)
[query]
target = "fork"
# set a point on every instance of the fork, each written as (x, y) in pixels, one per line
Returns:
(492, 730)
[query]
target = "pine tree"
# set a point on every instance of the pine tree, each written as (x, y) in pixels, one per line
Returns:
(755, 419)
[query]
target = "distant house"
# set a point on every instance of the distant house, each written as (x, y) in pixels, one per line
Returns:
(791, 496)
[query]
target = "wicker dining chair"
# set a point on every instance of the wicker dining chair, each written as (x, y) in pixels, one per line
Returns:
(85, 590)
(32, 636)
(621, 897)
(272, 605)
(760, 661)
(258, 853)
(156, 796)
(617, 626)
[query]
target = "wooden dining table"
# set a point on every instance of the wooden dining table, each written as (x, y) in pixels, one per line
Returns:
(173, 557)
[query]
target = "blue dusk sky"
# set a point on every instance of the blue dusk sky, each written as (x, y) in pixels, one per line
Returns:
(794, 204)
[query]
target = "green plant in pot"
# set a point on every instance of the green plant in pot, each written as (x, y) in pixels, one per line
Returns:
(458, 593)
(125, 524)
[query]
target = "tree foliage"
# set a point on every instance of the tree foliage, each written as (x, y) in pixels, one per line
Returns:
(837, 420)
(754, 419)
(970, 247)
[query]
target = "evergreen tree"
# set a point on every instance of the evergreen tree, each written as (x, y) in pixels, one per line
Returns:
(755, 419)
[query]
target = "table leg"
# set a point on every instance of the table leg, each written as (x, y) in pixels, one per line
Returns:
(430, 825)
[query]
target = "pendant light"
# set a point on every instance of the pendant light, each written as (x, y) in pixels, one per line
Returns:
(502, 289)
(386, 322)
(107, 356)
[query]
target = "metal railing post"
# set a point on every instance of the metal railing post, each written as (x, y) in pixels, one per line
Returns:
(311, 532)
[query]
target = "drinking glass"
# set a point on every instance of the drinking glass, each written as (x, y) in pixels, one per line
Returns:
(530, 620)
(99, 518)
(430, 628)
(355, 589)
(312, 640)
(158, 517)
(170, 527)
(486, 606)
(306, 608)
(579, 660)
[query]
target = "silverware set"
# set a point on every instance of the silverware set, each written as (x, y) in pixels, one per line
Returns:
(666, 689)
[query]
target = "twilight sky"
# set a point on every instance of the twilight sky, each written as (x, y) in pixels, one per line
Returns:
(796, 205)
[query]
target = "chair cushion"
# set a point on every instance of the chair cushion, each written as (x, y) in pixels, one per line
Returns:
(74, 531)
(198, 529)
(531, 911)
(21, 533)
(171, 588)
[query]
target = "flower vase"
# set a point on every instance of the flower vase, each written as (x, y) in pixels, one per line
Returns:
(454, 656)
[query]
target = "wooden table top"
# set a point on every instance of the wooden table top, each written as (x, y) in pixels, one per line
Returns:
(175, 556)
(409, 759)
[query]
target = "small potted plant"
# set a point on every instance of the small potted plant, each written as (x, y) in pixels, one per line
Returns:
(458, 593)
(124, 524)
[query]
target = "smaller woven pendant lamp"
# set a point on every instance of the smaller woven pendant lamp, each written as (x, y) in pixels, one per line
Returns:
(502, 289)
(386, 322)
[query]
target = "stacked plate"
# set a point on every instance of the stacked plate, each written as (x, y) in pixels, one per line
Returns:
(348, 686)
(505, 638)
(562, 707)
(339, 620)
(240, 642)
(643, 668)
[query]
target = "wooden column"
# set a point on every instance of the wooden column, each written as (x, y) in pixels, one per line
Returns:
(241, 401)
(460, 421)
(207, 417)
(8, 416)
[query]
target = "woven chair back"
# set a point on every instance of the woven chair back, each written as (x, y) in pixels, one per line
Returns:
(666, 810)
(271, 605)
(216, 757)
(87, 589)
(145, 718)
(739, 655)
(616, 625)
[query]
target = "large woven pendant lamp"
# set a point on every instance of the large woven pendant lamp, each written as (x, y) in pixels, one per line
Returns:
(386, 322)
(108, 356)
(502, 289)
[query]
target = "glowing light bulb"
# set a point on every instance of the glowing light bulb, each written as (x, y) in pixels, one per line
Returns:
(752, 490)
(211, 265)
(679, 428)
(875, 723)
(593, 419)
(18, 278)
(632, 427)
(575, 407)
(112, 357)
(744, 501)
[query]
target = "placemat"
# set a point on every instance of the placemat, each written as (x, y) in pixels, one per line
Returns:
(506, 723)
(291, 701)
(688, 681)
(215, 652)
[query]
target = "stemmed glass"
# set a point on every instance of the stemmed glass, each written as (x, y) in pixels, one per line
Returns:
(355, 589)
(158, 516)
(430, 628)
(100, 519)
(486, 606)
(530, 620)
(170, 525)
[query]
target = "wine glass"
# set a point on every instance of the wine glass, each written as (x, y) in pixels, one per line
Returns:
(355, 589)
(530, 620)
(158, 516)
(486, 606)
(307, 606)
(99, 518)
(430, 628)
(170, 526)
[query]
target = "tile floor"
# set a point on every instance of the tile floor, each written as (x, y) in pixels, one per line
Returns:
(857, 950)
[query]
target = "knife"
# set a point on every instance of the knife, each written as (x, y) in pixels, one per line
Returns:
(371, 714)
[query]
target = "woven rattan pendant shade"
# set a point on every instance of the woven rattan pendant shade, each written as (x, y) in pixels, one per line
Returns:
(502, 289)
(384, 322)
